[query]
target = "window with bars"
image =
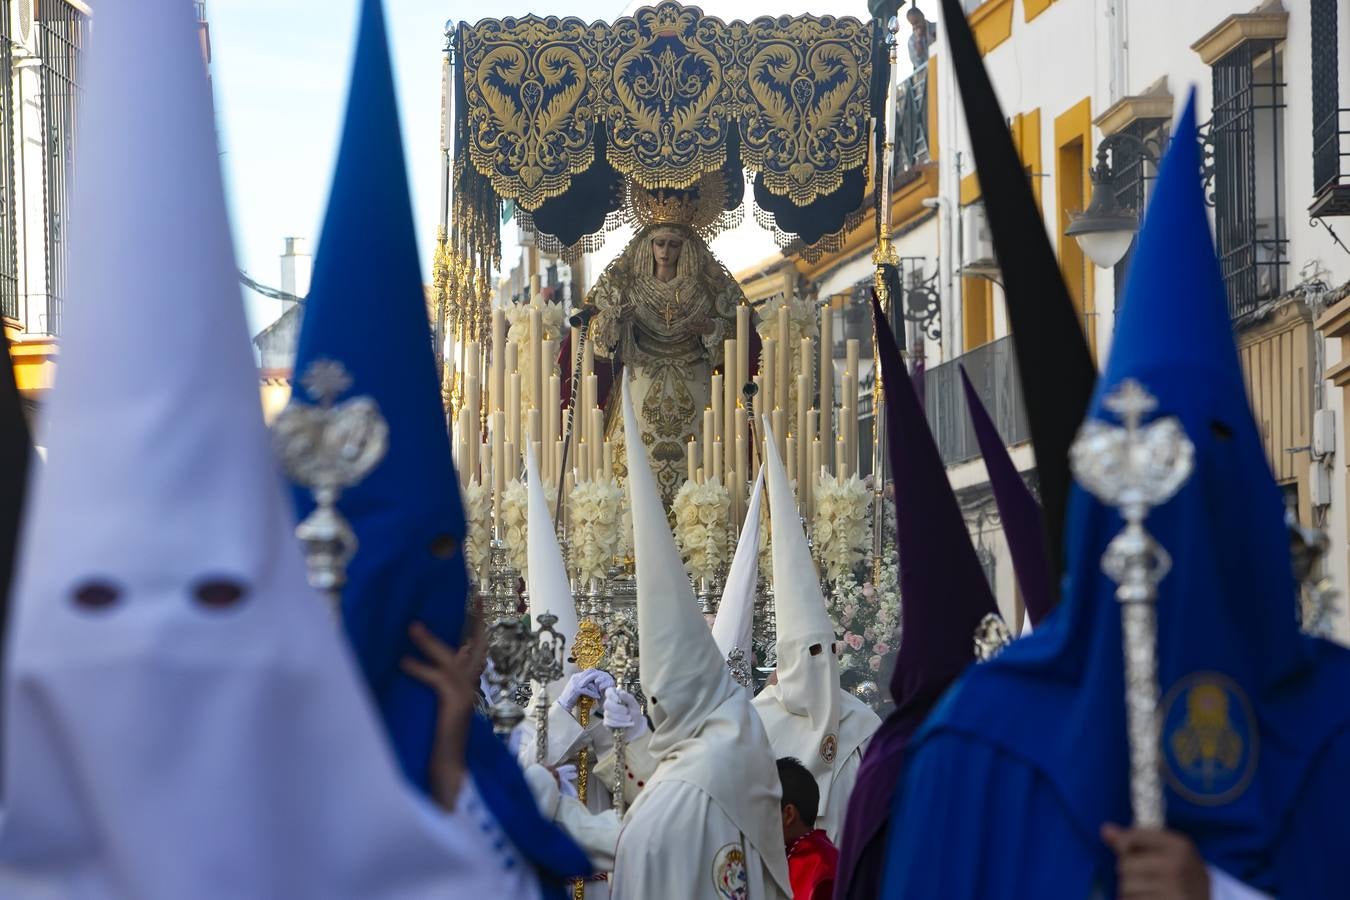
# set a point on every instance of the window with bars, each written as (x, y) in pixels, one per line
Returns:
(1247, 133)
(9, 245)
(911, 127)
(61, 34)
(1331, 122)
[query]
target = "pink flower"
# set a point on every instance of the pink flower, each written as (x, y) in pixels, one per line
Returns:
(882, 647)
(874, 664)
(868, 590)
(854, 640)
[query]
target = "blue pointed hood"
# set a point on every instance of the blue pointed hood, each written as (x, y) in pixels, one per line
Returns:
(1248, 703)
(407, 512)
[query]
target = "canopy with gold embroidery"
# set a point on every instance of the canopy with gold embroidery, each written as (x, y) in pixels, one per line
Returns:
(563, 118)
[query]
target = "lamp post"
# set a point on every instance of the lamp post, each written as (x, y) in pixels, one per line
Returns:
(1106, 229)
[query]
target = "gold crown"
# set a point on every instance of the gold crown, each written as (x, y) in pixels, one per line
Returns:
(701, 208)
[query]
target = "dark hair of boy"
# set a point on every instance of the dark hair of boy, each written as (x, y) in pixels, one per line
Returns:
(799, 789)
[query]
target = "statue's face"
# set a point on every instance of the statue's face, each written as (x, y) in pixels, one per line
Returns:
(666, 249)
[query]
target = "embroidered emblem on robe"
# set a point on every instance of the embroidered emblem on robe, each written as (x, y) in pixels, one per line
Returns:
(1209, 739)
(728, 873)
(829, 745)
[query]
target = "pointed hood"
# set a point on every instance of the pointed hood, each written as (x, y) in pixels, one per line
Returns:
(546, 580)
(1228, 643)
(704, 732)
(804, 711)
(16, 450)
(160, 583)
(406, 512)
(1017, 508)
(736, 613)
(943, 597)
(1053, 359)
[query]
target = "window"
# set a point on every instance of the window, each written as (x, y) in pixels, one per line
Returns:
(60, 38)
(1331, 123)
(1247, 134)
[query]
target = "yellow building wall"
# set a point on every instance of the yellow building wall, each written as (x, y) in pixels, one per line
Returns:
(1073, 187)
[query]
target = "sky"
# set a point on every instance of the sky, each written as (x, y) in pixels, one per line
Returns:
(281, 70)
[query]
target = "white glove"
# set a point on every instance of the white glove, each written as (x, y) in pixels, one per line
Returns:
(622, 710)
(567, 780)
(590, 683)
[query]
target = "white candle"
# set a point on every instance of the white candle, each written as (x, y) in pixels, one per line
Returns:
(840, 465)
(497, 382)
(784, 364)
(742, 347)
(530, 388)
(738, 491)
(551, 415)
(717, 461)
(709, 433)
(780, 433)
(691, 459)
(536, 290)
(717, 396)
(826, 374)
(557, 461)
(512, 413)
(800, 429)
(597, 442)
(608, 457)
(498, 467)
(462, 454)
(768, 370)
(545, 374)
(512, 460)
(791, 457)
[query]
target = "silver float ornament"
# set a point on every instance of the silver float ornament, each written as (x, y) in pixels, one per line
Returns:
(509, 651)
(739, 666)
(546, 666)
(328, 447)
(1136, 468)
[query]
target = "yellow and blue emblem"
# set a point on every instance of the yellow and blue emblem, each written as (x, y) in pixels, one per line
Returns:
(1209, 739)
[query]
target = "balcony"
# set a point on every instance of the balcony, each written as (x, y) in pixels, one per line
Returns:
(993, 372)
(911, 128)
(1331, 166)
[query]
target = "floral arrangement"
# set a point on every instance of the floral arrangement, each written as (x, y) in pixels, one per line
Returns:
(478, 517)
(625, 524)
(515, 513)
(866, 611)
(840, 528)
(702, 519)
(595, 526)
(553, 318)
(515, 503)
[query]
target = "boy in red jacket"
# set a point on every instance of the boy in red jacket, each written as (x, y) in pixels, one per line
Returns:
(812, 859)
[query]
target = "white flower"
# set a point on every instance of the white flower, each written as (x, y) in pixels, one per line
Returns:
(595, 527)
(840, 528)
(478, 518)
(514, 525)
(702, 523)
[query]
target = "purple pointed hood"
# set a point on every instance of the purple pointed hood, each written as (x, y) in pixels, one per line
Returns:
(1021, 514)
(943, 597)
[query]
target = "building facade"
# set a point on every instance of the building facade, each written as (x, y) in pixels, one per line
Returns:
(1090, 88)
(41, 45)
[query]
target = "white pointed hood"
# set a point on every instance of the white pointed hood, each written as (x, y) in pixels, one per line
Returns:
(704, 731)
(801, 711)
(736, 613)
(546, 578)
(182, 718)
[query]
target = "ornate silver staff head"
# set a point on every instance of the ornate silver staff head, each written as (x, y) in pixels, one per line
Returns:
(1134, 468)
(991, 636)
(328, 447)
(547, 651)
(623, 656)
(509, 651)
(740, 667)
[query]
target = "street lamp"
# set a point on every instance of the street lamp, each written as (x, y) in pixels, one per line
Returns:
(1105, 229)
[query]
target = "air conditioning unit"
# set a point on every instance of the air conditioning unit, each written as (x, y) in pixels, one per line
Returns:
(24, 14)
(977, 243)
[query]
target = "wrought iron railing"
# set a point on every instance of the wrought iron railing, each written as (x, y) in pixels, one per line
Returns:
(1327, 123)
(9, 244)
(993, 372)
(911, 126)
(61, 34)
(1247, 135)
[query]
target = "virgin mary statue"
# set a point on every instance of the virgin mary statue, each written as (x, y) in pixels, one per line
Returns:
(663, 308)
